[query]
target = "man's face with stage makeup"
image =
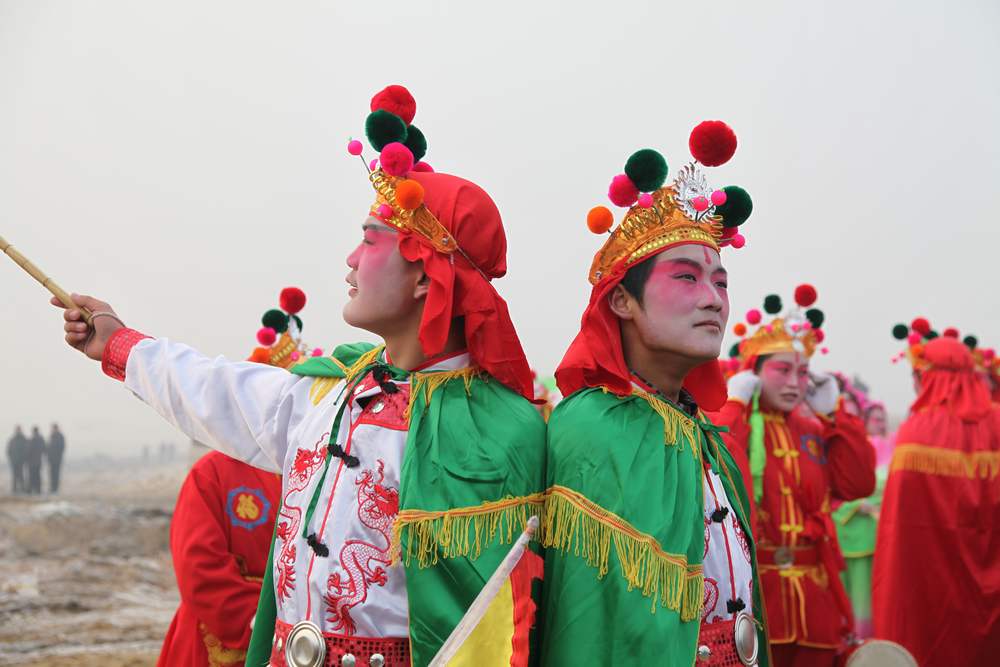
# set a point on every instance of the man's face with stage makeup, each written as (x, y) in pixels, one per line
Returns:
(384, 288)
(784, 379)
(685, 303)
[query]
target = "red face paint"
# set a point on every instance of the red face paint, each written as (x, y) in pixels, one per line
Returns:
(381, 291)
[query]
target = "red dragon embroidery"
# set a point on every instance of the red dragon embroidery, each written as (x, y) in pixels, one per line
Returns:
(711, 598)
(305, 465)
(364, 563)
(741, 537)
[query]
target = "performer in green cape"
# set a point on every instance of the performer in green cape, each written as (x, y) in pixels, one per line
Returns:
(409, 467)
(650, 559)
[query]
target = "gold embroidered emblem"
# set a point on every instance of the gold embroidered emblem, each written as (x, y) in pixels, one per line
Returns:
(247, 508)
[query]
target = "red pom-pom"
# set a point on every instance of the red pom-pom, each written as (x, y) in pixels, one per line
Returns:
(292, 300)
(622, 191)
(819, 335)
(805, 295)
(729, 232)
(600, 219)
(754, 316)
(266, 336)
(951, 332)
(397, 100)
(921, 326)
(712, 143)
(396, 159)
(740, 329)
(422, 166)
(409, 194)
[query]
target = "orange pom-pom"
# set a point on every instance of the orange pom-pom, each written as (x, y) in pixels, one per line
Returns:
(261, 355)
(409, 194)
(740, 329)
(600, 219)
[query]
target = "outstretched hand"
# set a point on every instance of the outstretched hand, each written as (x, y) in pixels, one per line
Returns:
(88, 338)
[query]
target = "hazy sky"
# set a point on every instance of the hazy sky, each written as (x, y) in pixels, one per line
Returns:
(186, 160)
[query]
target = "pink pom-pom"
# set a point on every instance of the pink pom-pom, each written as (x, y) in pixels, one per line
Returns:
(754, 316)
(796, 328)
(646, 200)
(266, 336)
(318, 352)
(384, 211)
(396, 159)
(422, 166)
(718, 197)
(807, 326)
(769, 328)
(354, 147)
(739, 241)
(622, 191)
(295, 355)
(700, 204)
(825, 350)
(913, 338)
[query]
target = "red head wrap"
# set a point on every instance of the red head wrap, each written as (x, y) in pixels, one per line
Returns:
(458, 289)
(950, 382)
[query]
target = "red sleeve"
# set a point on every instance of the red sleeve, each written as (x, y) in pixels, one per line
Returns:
(116, 351)
(733, 416)
(850, 456)
(208, 575)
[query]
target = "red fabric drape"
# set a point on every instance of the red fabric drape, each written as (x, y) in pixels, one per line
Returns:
(936, 578)
(457, 289)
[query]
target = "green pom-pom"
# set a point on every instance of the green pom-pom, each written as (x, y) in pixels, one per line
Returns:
(772, 304)
(416, 142)
(815, 317)
(900, 332)
(737, 208)
(931, 335)
(276, 319)
(971, 342)
(382, 127)
(734, 351)
(298, 321)
(647, 169)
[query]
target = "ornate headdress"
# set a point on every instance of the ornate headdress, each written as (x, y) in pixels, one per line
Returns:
(798, 330)
(919, 333)
(280, 337)
(454, 228)
(661, 216)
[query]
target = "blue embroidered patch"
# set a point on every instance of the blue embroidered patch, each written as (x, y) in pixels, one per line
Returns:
(814, 447)
(247, 508)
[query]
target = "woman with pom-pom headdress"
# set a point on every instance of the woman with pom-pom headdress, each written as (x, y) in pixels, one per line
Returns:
(393, 456)
(798, 449)
(645, 512)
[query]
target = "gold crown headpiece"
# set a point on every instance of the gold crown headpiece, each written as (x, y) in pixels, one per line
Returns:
(660, 216)
(280, 336)
(799, 330)
(919, 332)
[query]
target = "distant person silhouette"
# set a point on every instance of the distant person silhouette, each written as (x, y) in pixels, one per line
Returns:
(36, 452)
(17, 450)
(54, 451)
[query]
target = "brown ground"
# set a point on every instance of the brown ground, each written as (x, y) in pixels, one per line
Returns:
(85, 577)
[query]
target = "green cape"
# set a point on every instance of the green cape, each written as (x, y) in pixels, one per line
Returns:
(625, 530)
(471, 476)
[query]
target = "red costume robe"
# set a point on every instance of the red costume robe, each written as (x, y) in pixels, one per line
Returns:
(810, 461)
(219, 538)
(936, 574)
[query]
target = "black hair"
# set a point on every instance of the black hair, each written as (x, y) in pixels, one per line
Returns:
(636, 278)
(760, 362)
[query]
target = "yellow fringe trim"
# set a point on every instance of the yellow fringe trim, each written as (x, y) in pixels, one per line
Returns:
(366, 359)
(320, 388)
(462, 532)
(946, 462)
(676, 426)
(430, 381)
(574, 523)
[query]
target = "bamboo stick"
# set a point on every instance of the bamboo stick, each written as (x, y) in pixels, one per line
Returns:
(38, 275)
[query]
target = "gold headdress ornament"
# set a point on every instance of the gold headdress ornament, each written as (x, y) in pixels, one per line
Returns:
(280, 337)
(661, 216)
(798, 330)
